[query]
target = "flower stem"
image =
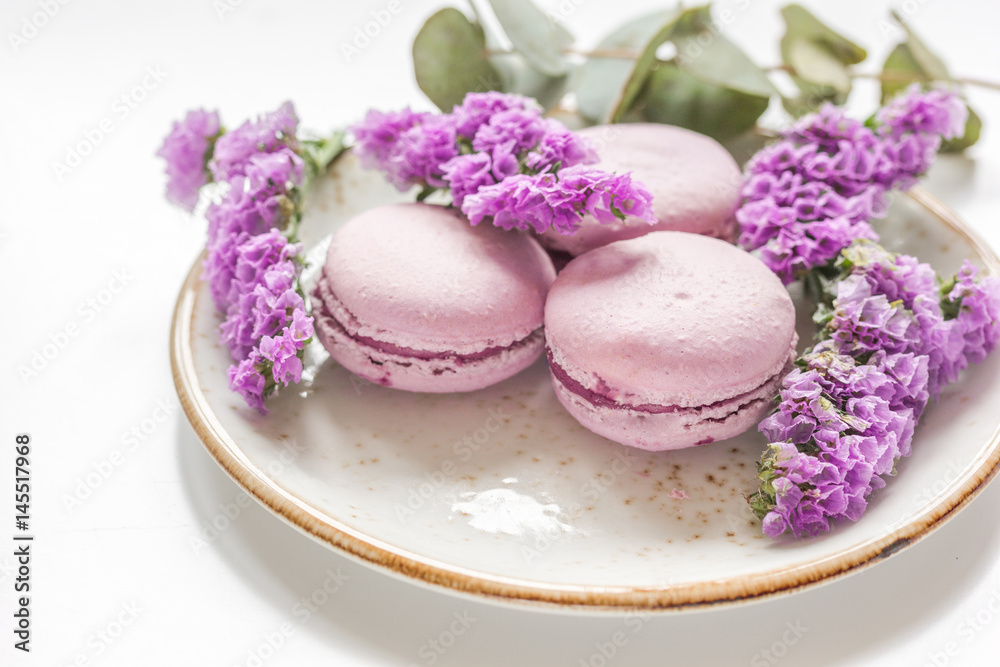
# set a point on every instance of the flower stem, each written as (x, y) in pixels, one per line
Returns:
(634, 54)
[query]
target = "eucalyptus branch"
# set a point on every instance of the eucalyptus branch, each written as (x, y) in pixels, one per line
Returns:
(895, 77)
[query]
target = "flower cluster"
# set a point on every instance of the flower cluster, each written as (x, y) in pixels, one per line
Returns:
(892, 336)
(809, 195)
(267, 327)
(502, 162)
(252, 268)
(186, 150)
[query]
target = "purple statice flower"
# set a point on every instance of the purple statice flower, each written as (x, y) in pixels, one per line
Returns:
(263, 268)
(963, 328)
(187, 150)
(478, 108)
(559, 200)
(266, 326)
(247, 380)
(835, 434)
(281, 351)
(255, 201)
(419, 153)
(559, 146)
(502, 162)
(978, 311)
(864, 322)
(524, 128)
(898, 277)
(376, 136)
(409, 148)
(467, 174)
(266, 134)
(891, 339)
(809, 195)
(936, 112)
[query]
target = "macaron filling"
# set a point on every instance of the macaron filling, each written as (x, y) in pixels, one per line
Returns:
(381, 351)
(736, 403)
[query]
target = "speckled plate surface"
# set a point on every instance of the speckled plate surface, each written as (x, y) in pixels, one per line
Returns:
(501, 494)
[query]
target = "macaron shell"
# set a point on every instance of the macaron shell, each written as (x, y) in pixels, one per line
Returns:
(442, 375)
(672, 430)
(420, 276)
(694, 181)
(669, 319)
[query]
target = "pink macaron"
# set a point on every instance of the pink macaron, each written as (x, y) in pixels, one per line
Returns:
(668, 340)
(694, 181)
(413, 297)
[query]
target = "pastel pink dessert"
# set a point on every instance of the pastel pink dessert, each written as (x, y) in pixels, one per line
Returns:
(694, 181)
(668, 340)
(414, 297)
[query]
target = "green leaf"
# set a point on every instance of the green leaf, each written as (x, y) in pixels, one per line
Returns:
(901, 63)
(674, 96)
(601, 81)
(709, 56)
(815, 64)
(516, 73)
(819, 57)
(800, 23)
(927, 61)
(534, 34)
(911, 61)
(811, 97)
(449, 59)
(520, 77)
(973, 127)
(641, 70)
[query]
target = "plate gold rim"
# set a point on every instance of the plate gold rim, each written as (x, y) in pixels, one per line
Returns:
(556, 597)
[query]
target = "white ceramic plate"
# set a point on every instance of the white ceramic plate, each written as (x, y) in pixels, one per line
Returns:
(501, 494)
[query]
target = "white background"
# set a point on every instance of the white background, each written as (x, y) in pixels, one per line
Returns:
(125, 554)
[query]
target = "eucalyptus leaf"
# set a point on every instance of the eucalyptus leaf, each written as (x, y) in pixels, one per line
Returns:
(641, 70)
(928, 62)
(516, 74)
(600, 81)
(818, 57)
(900, 63)
(534, 34)
(800, 23)
(817, 65)
(449, 59)
(811, 97)
(911, 61)
(520, 77)
(708, 55)
(973, 127)
(674, 96)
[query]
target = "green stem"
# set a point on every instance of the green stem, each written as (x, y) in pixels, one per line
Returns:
(634, 54)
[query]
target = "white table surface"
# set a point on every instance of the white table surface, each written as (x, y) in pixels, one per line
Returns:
(116, 578)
